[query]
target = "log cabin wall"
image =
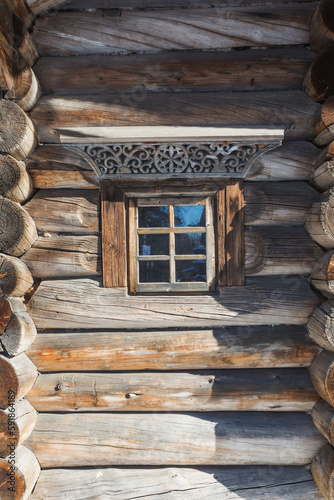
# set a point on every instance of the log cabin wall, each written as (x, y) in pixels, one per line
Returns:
(202, 395)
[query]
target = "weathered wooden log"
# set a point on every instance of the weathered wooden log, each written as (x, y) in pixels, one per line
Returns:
(157, 4)
(18, 474)
(323, 418)
(234, 347)
(322, 374)
(18, 228)
(177, 483)
(73, 33)
(26, 90)
(238, 438)
(15, 277)
(324, 126)
(322, 274)
(17, 377)
(18, 136)
(84, 304)
(16, 425)
(19, 334)
(321, 325)
(56, 115)
(74, 211)
(21, 9)
(243, 70)
(229, 390)
(322, 469)
(58, 256)
(323, 176)
(322, 26)
(28, 49)
(40, 6)
(9, 307)
(269, 250)
(15, 182)
(319, 80)
(320, 220)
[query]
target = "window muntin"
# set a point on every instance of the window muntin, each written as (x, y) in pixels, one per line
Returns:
(171, 245)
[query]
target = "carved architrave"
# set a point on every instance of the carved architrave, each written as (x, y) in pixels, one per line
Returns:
(172, 159)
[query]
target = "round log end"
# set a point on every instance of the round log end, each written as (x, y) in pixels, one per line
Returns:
(322, 26)
(18, 136)
(18, 228)
(319, 80)
(323, 417)
(15, 182)
(322, 374)
(322, 469)
(23, 475)
(321, 325)
(19, 334)
(257, 253)
(17, 376)
(320, 220)
(323, 176)
(15, 277)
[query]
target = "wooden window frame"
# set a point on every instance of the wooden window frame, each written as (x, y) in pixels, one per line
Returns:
(117, 210)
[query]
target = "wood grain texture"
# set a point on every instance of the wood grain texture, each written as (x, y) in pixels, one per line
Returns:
(25, 476)
(235, 234)
(15, 183)
(177, 71)
(323, 418)
(322, 468)
(322, 26)
(71, 33)
(113, 220)
(18, 136)
(318, 82)
(16, 425)
(229, 390)
(322, 374)
(225, 483)
(321, 325)
(220, 348)
(18, 375)
(239, 438)
(84, 304)
(320, 220)
(322, 275)
(156, 4)
(15, 277)
(291, 109)
(18, 230)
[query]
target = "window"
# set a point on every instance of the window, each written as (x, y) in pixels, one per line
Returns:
(171, 244)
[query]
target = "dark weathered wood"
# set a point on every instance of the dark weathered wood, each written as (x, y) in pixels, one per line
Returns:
(320, 220)
(156, 4)
(65, 211)
(220, 230)
(318, 82)
(86, 305)
(15, 277)
(16, 425)
(221, 348)
(243, 70)
(235, 237)
(15, 183)
(322, 374)
(91, 32)
(324, 125)
(322, 274)
(239, 438)
(322, 469)
(18, 375)
(24, 478)
(18, 136)
(322, 26)
(18, 228)
(321, 325)
(291, 109)
(40, 6)
(323, 176)
(229, 390)
(323, 418)
(113, 219)
(8, 307)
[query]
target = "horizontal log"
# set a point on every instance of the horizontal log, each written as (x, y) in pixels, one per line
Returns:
(19, 230)
(319, 221)
(318, 83)
(84, 304)
(322, 275)
(69, 33)
(269, 250)
(73, 211)
(221, 348)
(178, 483)
(15, 277)
(291, 109)
(18, 136)
(15, 182)
(322, 26)
(324, 125)
(323, 176)
(322, 373)
(323, 418)
(16, 425)
(22, 479)
(321, 325)
(156, 4)
(322, 469)
(229, 390)
(243, 70)
(17, 375)
(175, 439)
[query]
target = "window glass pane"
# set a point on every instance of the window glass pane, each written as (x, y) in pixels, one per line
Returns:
(190, 270)
(154, 244)
(190, 243)
(189, 216)
(153, 216)
(154, 271)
